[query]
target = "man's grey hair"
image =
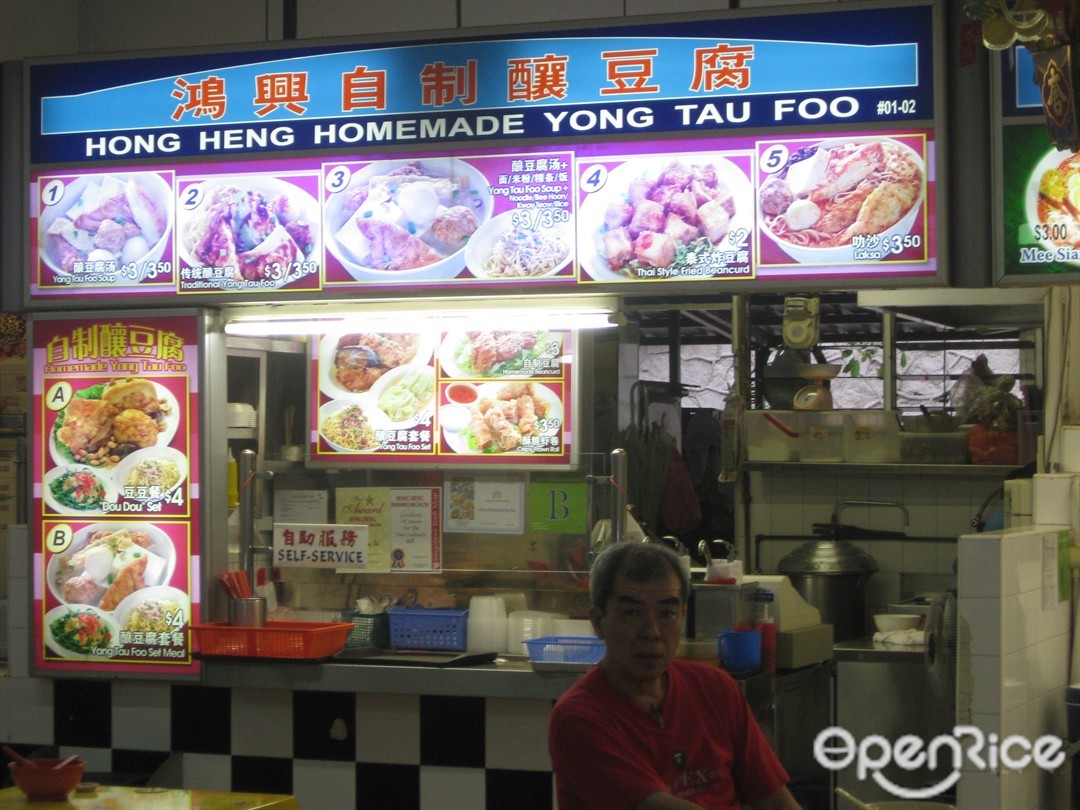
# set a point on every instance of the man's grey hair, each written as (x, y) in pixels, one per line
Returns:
(639, 563)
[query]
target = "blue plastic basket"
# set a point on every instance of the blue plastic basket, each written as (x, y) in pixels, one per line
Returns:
(565, 652)
(427, 628)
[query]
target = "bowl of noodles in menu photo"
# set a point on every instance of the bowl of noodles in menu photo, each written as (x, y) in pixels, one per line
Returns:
(1052, 205)
(833, 195)
(520, 245)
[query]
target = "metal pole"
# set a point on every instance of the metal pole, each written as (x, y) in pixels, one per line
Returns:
(618, 494)
(246, 474)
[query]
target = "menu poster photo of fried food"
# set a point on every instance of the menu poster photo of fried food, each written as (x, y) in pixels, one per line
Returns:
(116, 591)
(432, 394)
(114, 446)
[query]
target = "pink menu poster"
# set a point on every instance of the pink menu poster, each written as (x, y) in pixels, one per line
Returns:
(115, 493)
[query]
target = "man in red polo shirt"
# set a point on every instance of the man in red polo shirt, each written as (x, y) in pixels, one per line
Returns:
(644, 730)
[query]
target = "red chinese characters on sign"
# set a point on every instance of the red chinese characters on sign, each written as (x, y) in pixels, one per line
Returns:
(722, 66)
(529, 79)
(629, 71)
(363, 89)
(536, 79)
(441, 83)
(206, 97)
(288, 90)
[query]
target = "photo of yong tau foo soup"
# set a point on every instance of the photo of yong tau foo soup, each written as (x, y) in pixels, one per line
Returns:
(828, 194)
(99, 223)
(255, 229)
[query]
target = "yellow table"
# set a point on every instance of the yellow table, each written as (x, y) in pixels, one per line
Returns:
(107, 797)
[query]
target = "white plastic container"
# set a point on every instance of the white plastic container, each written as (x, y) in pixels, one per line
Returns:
(485, 629)
(871, 437)
(821, 436)
(771, 435)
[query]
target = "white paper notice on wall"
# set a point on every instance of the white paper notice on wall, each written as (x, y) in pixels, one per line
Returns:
(320, 545)
(1056, 571)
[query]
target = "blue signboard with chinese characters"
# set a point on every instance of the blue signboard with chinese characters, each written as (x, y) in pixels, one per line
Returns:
(771, 148)
(848, 67)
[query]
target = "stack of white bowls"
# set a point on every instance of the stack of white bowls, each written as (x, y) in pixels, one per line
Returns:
(523, 625)
(485, 629)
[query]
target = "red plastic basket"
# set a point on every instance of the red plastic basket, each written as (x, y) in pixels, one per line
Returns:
(274, 640)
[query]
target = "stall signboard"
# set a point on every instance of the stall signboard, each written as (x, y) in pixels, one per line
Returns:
(115, 494)
(441, 391)
(1039, 236)
(328, 169)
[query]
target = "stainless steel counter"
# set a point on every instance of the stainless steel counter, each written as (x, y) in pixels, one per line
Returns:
(868, 650)
(504, 678)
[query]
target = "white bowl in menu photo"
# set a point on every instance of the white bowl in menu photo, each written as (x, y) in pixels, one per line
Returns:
(85, 219)
(623, 232)
(404, 220)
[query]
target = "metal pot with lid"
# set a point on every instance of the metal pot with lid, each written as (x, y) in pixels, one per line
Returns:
(831, 575)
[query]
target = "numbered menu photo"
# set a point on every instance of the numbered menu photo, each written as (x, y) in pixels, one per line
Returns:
(114, 445)
(437, 393)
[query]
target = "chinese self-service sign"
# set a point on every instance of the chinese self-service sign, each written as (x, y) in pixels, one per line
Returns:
(282, 203)
(115, 496)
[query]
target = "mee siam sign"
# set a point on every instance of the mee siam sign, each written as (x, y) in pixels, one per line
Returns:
(1048, 29)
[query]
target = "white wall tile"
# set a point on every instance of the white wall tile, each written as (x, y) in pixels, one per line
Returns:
(141, 715)
(451, 788)
(337, 18)
(319, 783)
(978, 790)
(980, 630)
(207, 771)
(983, 673)
(980, 567)
(167, 24)
(388, 728)
(262, 722)
(674, 6)
(26, 706)
(1016, 687)
(499, 12)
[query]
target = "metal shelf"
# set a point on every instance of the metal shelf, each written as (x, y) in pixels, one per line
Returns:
(952, 470)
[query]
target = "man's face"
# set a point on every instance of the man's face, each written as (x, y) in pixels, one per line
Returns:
(641, 626)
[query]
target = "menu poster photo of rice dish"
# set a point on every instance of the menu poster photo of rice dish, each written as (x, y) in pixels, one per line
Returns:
(117, 592)
(843, 200)
(435, 394)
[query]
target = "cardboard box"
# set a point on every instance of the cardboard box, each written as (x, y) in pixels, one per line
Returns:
(805, 646)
